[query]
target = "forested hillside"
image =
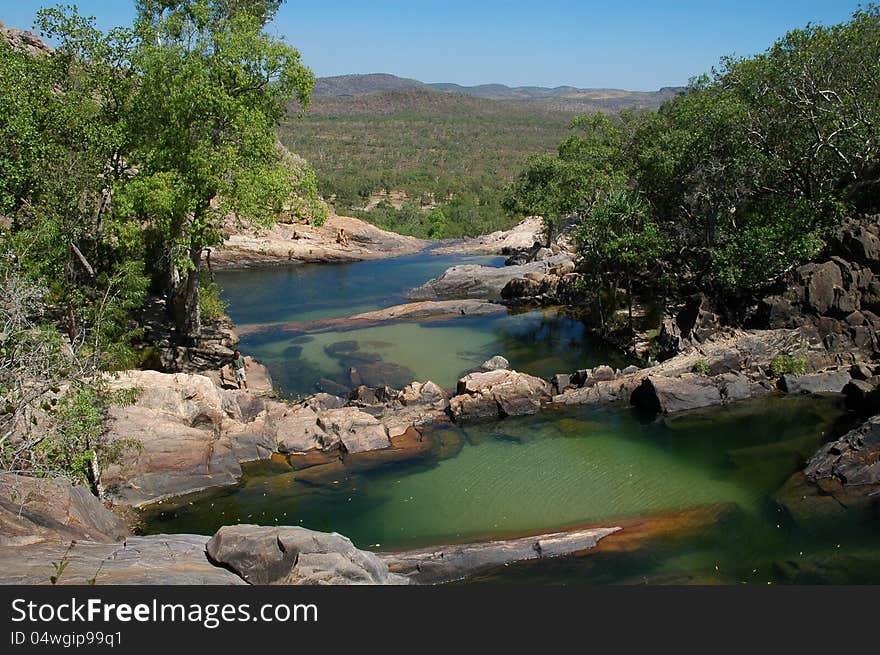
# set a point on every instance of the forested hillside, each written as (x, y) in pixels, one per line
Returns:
(436, 148)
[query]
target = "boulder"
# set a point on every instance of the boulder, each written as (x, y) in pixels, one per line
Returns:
(853, 460)
(665, 395)
(497, 394)
(602, 373)
(825, 382)
(35, 509)
(355, 429)
(495, 363)
(521, 287)
(429, 393)
(296, 556)
(863, 396)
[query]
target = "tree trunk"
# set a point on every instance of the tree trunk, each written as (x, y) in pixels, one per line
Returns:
(185, 302)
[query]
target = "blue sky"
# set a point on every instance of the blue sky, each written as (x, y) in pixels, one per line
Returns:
(629, 44)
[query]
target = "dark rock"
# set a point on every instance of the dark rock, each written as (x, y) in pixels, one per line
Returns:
(863, 396)
(561, 382)
(861, 372)
(333, 388)
(364, 395)
(521, 287)
(341, 347)
(825, 382)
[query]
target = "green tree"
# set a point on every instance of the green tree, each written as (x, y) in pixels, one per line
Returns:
(618, 241)
(213, 85)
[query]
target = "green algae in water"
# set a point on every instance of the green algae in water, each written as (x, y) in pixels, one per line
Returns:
(562, 468)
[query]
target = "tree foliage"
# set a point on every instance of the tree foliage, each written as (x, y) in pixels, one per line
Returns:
(744, 173)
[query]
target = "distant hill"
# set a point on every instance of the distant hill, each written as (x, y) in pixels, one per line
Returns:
(561, 98)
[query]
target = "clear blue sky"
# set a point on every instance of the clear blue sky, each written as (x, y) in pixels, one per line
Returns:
(629, 44)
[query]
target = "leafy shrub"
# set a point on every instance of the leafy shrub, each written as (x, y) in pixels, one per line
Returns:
(701, 367)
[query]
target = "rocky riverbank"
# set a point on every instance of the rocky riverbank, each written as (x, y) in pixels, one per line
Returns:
(54, 533)
(339, 239)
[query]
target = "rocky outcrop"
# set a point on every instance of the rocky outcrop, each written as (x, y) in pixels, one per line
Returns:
(286, 243)
(23, 41)
(832, 381)
(497, 394)
(519, 237)
(185, 433)
(666, 395)
(296, 556)
(34, 509)
(838, 297)
(449, 563)
(693, 324)
(485, 282)
(843, 477)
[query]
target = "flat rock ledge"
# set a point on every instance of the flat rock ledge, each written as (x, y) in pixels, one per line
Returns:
(441, 564)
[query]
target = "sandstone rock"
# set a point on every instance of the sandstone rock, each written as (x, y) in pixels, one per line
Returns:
(189, 434)
(667, 394)
(496, 394)
(441, 564)
(853, 460)
(495, 363)
(521, 236)
(472, 281)
(152, 560)
(602, 374)
(825, 382)
(417, 393)
(521, 287)
(357, 430)
(296, 556)
(247, 247)
(34, 509)
(561, 382)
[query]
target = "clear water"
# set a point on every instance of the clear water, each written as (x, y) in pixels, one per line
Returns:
(575, 467)
(540, 342)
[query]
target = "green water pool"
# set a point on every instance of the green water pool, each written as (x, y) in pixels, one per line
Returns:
(562, 468)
